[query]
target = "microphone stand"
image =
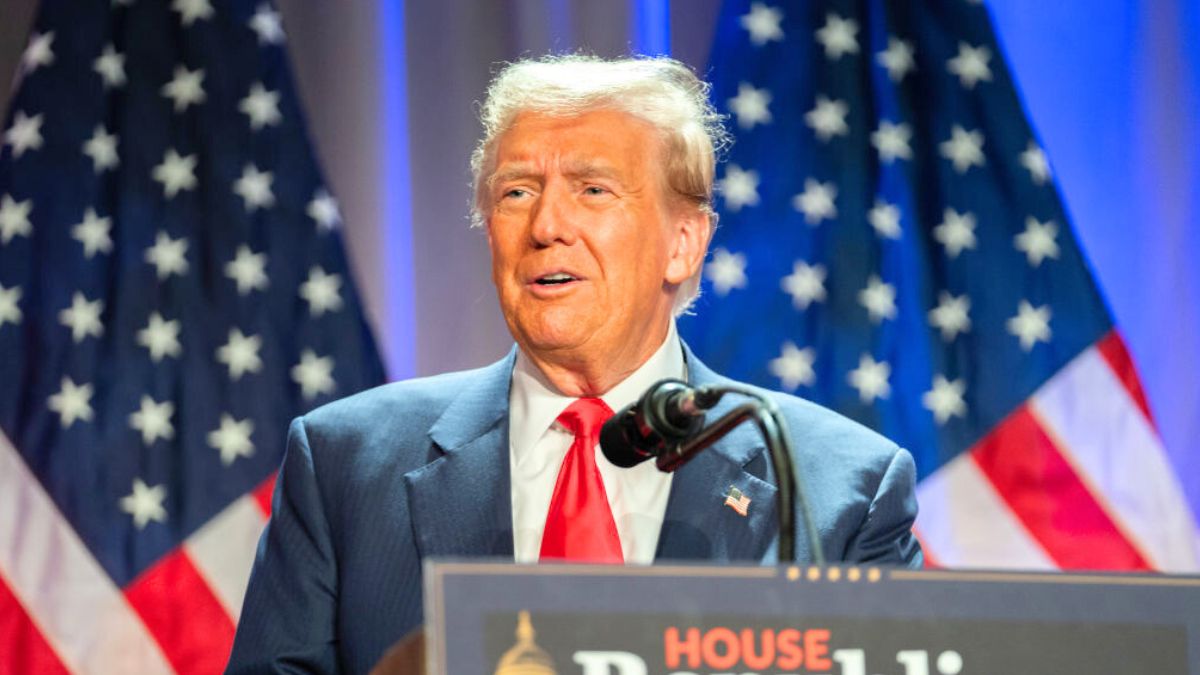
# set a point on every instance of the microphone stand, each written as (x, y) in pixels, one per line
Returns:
(771, 425)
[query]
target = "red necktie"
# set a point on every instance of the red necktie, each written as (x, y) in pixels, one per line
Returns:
(580, 525)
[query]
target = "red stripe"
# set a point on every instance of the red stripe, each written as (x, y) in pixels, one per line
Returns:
(263, 493)
(1114, 351)
(1044, 491)
(183, 615)
(23, 649)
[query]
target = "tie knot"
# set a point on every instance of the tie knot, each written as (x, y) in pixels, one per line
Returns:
(585, 416)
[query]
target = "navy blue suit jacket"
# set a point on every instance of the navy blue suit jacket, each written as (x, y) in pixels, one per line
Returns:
(375, 483)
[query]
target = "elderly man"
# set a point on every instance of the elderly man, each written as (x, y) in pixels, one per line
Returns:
(594, 183)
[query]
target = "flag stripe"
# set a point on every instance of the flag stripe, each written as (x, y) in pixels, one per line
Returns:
(1043, 489)
(81, 613)
(35, 655)
(1115, 353)
(955, 501)
(184, 616)
(1111, 443)
(263, 494)
(223, 551)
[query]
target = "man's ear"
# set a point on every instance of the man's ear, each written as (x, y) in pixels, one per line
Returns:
(691, 229)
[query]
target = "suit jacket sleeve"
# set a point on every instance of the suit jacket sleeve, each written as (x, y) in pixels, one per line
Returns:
(886, 533)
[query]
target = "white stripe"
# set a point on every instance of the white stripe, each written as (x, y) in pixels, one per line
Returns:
(79, 610)
(1101, 430)
(965, 523)
(223, 551)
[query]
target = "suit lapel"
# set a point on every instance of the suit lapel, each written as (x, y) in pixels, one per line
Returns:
(461, 503)
(697, 524)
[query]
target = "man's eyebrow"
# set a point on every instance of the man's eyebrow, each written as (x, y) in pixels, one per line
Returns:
(588, 169)
(512, 172)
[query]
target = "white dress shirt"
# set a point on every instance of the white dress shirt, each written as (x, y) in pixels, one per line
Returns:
(538, 444)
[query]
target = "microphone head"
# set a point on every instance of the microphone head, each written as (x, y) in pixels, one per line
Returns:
(618, 441)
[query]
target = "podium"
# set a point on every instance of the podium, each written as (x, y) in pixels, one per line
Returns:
(699, 620)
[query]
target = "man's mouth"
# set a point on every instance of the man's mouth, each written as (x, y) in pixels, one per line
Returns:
(555, 279)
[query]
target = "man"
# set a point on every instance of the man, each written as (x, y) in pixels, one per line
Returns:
(594, 184)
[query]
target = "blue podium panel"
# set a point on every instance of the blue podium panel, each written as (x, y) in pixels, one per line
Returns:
(700, 620)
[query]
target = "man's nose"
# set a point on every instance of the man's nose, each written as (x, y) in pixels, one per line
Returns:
(553, 219)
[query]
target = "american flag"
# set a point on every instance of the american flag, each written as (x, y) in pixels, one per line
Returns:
(173, 290)
(892, 245)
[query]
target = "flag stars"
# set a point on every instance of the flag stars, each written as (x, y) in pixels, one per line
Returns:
(267, 25)
(837, 36)
(794, 366)
(160, 337)
(956, 232)
(102, 149)
(145, 504)
(110, 65)
(168, 256)
(971, 65)
(1037, 241)
(247, 270)
(885, 218)
(176, 173)
(324, 210)
(83, 317)
(806, 284)
(762, 23)
(153, 420)
(1034, 160)
(261, 106)
(254, 187)
(10, 312)
(185, 88)
(739, 188)
(879, 299)
(816, 202)
(1031, 325)
(38, 52)
(945, 399)
(870, 378)
(750, 106)
(314, 374)
(951, 316)
(240, 354)
(964, 148)
(14, 218)
(892, 141)
(321, 291)
(897, 59)
(232, 439)
(93, 233)
(24, 134)
(828, 118)
(726, 271)
(72, 402)
(191, 10)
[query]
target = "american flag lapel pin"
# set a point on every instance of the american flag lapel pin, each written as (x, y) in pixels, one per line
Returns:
(737, 501)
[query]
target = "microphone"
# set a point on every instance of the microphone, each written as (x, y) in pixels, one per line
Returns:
(669, 413)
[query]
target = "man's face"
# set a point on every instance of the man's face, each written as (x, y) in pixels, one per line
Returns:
(587, 249)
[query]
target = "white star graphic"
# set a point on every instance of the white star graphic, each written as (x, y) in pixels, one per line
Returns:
(324, 209)
(321, 291)
(110, 65)
(261, 106)
(738, 187)
(153, 419)
(247, 270)
(240, 354)
(971, 65)
(267, 24)
(891, 140)
(951, 315)
(1034, 159)
(794, 366)
(176, 173)
(945, 399)
(14, 218)
(837, 36)
(83, 317)
(806, 284)
(828, 118)
(879, 299)
(726, 271)
(817, 201)
(750, 106)
(160, 337)
(314, 374)
(92, 232)
(72, 402)
(38, 52)
(885, 218)
(185, 89)
(897, 59)
(254, 187)
(9, 311)
(168, 255)
(145, 504)
(24, 134)
(1031, 324)
(1037, 241)
(964, 148)
(102, 148)
(190, 10)
(870, 378)
(762, 23)
(232, 439)
(956, 232)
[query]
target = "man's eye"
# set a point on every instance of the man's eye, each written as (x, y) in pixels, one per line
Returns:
(515, 193)
(594, 190)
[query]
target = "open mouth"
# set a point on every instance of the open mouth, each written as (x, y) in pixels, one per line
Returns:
(556, 279)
